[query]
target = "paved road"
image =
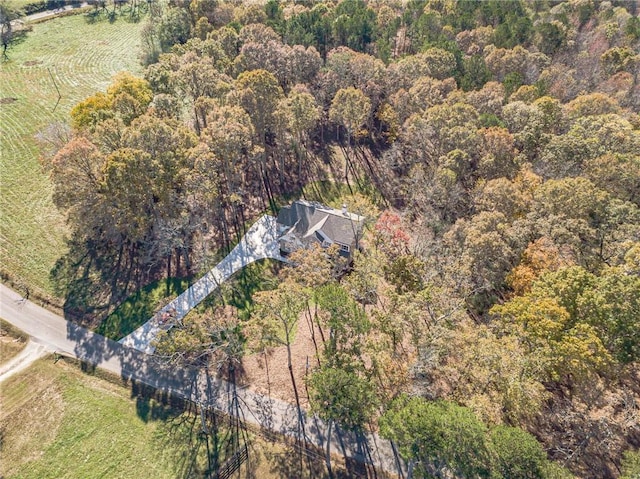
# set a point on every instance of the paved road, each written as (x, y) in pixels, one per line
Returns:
(260, 242)
(59, 335)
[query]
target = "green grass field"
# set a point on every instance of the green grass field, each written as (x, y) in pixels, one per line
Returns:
(57, 422)
(82, 58)
(144, 303)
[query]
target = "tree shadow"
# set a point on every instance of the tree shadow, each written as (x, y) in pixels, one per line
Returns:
(295, 461)
(92, 279)
(156, 405)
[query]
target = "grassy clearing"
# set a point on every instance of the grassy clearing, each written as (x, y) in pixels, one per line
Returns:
(12, 341)
(82, 58)
(140, 306)
(240, 288)
(57, 422)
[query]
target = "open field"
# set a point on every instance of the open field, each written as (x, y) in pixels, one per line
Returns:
(82, 58)
(58, 422)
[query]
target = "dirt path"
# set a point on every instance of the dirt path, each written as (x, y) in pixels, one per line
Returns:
(31, 353)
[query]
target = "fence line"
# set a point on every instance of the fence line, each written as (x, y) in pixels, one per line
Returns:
(233, 463)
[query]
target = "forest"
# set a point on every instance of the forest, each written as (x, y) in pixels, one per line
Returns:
(494, 148)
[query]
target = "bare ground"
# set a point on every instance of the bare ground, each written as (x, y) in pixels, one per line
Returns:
(267, 373)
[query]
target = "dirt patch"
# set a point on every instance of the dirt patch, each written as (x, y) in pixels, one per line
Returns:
(10, 347)
(7, 100)
(32, 63)
(267, 373)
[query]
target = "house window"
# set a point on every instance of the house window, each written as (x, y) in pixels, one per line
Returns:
(344, 247)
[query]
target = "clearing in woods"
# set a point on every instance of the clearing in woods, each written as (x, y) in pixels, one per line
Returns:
(82, 58)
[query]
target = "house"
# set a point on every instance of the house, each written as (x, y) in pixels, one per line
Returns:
(304, 223)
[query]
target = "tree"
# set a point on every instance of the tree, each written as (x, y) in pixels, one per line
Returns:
(208, 340)
(571, 347)
(130, 187)
(437, 437)
(302, 114)
(126, 98)
(442, 64)
(617, 173)
(273, 322)
(608, 303)
(259, 94)
(76, 172)
(351, 109)
(229, 134)
(541, 256)
(550, 36)
(630, 465)
(353, 24)
(211, 342)
(174, 28)
(340, 396)
(130, 96)
(518, 455)
(498, 153)
(488, 245)
(591, 104)
(584, 220)
(495, 375)
(427, 92)
(347, 324)
(89, 112)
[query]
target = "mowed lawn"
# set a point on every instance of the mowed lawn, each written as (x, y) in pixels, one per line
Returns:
(82, 58)
(58, 422)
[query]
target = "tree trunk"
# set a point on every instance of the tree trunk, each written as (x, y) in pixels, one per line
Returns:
(328, 450)
(168, 273)
(309, 317)
(324, 341)
(178, 264)
(295, 391)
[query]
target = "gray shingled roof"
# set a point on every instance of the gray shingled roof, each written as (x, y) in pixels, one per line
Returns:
(307, 216)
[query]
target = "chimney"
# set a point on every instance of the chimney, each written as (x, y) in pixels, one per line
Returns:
(344, 209)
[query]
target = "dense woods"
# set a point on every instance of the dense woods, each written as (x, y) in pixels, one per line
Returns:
(494, 147)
